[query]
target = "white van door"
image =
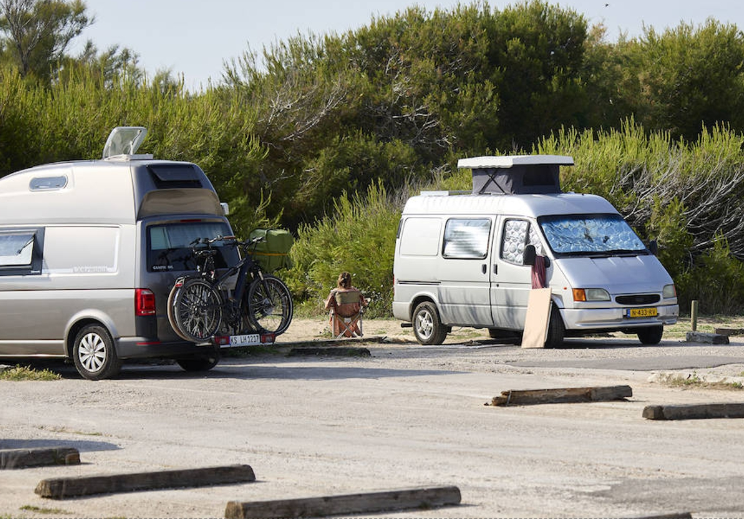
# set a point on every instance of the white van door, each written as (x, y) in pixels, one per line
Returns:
(464, 274)
(511, 279)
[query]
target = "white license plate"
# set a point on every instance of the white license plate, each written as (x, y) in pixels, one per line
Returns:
(244, 340)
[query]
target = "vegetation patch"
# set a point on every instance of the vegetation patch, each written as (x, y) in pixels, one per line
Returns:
(20, 373)
(42, 510)
(695, 381)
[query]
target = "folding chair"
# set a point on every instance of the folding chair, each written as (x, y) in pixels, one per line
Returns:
(347, 313)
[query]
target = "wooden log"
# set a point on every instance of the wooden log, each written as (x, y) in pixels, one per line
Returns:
(730, 331)
(61, 488)
(693, 411)
(562, 395)
(21, 458)
(707, 338)
(683, 515)
(364, 503)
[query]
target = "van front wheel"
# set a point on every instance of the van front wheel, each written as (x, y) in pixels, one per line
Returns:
(650, 336)
(427, 327)
(94, 353)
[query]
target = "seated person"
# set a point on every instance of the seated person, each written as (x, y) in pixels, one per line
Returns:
(344, 306)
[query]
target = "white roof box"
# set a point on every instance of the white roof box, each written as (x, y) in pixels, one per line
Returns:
(516, 174)
(514, 160)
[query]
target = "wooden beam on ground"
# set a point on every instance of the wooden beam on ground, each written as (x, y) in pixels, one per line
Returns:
(61, 488)
(562, 395)
(22, 458)
(707, 338)
(730, 331)
(367, 503)
(693, 411)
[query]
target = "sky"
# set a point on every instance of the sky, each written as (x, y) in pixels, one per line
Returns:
(196, 37)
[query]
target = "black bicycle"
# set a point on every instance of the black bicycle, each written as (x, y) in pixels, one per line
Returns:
(203, 305)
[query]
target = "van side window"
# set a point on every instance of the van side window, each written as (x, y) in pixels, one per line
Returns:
(466, 238)
(420, 236)
(20, 251)
(517, 235)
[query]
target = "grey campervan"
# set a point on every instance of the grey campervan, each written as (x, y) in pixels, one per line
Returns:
(89, 251)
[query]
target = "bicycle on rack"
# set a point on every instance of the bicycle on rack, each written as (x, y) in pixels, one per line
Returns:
(202, 305)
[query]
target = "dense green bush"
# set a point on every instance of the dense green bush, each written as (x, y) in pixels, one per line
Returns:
(358, 237)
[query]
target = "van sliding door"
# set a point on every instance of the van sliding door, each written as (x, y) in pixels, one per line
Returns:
(464, 275)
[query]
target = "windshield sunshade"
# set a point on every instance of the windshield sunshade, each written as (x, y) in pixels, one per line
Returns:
(579, 234)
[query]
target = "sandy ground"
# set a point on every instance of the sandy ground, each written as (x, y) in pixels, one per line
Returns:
(406, 416)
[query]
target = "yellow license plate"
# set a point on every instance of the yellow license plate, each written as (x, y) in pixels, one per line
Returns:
(641, 312)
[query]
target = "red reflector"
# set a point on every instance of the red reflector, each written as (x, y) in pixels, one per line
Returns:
(222, 340)
(268, 338)
(150, 343)
(144, 302)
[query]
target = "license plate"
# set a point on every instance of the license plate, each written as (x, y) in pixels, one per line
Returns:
(245, 340)
(641, 312)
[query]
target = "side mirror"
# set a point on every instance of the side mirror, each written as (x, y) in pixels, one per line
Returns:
(529, 255)
(225, 208)
(653, 247)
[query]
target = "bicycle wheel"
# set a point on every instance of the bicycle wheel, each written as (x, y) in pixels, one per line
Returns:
(197, 310)
(172, 314)
(268, 305)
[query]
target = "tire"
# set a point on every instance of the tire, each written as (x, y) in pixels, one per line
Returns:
(651, 335)
(427, 326)
(199, 363)
(197, 310)
(94, 353)
(556, 329)
(171, 313)
(268, 305)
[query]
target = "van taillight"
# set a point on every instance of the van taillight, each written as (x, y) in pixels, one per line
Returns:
(144, 302)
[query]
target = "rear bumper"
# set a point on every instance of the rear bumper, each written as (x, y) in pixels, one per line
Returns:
(144, 347)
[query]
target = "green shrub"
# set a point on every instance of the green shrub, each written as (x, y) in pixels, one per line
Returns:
(358, 237)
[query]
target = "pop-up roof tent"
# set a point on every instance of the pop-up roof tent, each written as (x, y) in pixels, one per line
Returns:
(517, 175)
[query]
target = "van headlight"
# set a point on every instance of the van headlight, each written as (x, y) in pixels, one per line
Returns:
(669, 292)
(590, 294)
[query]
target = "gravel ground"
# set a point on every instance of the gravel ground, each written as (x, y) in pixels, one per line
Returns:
(405, 416)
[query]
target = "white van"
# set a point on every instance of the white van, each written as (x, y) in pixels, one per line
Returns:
(466, 259)
(89, 251)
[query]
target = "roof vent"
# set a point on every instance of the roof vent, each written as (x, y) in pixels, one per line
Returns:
(124, 140)
(516, 175)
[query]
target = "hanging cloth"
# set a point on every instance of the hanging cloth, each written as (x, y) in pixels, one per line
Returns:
(538, 273)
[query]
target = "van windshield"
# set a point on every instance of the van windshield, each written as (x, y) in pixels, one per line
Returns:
(169, 245)
(601, 234)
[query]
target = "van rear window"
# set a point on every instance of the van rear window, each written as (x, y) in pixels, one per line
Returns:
(169, 245)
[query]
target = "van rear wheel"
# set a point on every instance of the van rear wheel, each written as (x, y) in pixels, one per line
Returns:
(427, 326)
(199, 363)
(94, 353)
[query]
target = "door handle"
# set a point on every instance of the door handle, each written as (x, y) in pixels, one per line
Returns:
(495, 269)
(484, 268)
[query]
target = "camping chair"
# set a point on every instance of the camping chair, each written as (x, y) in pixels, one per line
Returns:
(346, 314)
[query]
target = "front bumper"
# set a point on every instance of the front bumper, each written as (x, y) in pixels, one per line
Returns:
(589, 319)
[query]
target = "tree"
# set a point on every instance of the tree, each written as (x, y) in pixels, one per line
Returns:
(39, 31)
